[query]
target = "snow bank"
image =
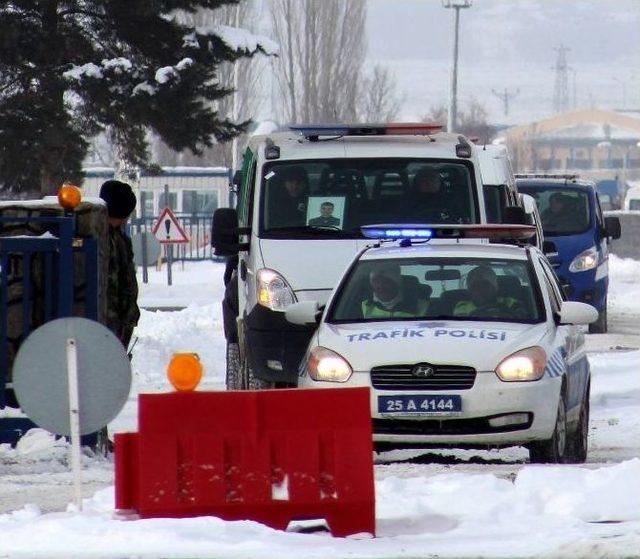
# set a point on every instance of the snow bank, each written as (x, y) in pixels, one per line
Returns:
(544, 510)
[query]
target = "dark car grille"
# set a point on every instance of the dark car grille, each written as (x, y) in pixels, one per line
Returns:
(444, 377)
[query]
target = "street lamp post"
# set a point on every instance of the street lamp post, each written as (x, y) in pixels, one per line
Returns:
(452, 115)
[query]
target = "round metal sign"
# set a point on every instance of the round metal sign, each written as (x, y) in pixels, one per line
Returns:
(41, 382)
(151, 244)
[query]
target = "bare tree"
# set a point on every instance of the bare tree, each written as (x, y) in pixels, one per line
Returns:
(380, 102)
(322, 49)
(472, 120)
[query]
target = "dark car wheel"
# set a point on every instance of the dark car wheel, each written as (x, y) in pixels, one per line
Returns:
(578, 442)
(553, 450)
(600, 325)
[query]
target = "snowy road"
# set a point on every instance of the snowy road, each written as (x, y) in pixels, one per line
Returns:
(453, 503)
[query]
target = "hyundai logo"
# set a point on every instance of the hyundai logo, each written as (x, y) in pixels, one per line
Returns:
(422, 370)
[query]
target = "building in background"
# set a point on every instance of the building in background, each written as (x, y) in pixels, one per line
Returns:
(596, 144)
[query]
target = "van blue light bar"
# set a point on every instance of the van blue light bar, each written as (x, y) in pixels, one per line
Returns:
(491, 231)
(314, 131)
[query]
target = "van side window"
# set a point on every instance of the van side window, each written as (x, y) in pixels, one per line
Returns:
(245, 196)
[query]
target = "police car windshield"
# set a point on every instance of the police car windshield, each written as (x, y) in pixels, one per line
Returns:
(564, 211)
(438, 288)
(342, 195)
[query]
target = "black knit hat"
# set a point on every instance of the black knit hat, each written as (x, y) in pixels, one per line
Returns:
(120, 199)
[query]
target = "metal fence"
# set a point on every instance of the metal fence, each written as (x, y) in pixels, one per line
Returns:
(198, 230)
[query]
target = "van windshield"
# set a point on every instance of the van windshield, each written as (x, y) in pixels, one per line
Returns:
(563, 211)
(337, 197)
(438, 288)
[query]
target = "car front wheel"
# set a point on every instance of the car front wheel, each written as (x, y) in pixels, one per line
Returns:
(578, 442)
(553, 450)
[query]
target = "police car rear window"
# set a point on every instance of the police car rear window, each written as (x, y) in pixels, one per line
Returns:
(438, 288)
(342, 195)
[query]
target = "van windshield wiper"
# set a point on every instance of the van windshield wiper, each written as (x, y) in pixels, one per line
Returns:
(315, 230)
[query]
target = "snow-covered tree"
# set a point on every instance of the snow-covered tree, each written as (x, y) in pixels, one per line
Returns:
(72, 68)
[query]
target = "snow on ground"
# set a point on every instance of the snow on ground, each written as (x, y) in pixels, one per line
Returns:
(448, 503)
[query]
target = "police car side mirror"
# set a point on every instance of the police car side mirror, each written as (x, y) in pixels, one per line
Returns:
(573, 312)
(225, 234)
(303, 313)
(612, 227)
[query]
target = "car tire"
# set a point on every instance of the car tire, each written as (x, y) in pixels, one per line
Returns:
(600, 325)
(250, 381)
(578, 442)
(233, 376)
(553, 450)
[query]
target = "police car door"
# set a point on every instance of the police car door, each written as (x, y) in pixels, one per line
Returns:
(569, 357)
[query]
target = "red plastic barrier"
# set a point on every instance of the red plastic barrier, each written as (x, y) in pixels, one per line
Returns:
(271, 456)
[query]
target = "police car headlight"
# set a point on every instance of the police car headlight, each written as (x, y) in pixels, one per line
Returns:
(273, 290)
(327, 365)
(586, 260)
(524, 365)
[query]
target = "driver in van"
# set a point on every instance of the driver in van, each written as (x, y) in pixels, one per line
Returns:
(558, 215)
(388, 298)
(288, 197)
(484, 300)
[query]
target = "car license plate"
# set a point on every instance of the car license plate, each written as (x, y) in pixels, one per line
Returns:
(412, 404)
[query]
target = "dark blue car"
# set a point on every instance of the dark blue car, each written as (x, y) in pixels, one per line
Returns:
(572, 220)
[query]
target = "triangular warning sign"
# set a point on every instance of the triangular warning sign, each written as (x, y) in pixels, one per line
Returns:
(167, 228)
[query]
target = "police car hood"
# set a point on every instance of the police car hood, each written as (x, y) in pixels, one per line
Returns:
(481, 345)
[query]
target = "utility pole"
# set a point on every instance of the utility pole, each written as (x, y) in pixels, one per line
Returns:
(452, 115)
(505, 97)
(561, 87)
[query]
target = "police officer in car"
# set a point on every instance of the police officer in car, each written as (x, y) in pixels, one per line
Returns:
(388, 298)
(484, 300)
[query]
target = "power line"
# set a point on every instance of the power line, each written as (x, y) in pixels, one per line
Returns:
(505, 96)
(561, 87)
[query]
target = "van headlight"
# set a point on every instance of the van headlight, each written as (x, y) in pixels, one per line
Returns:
(524, 365)
(273, 290)
(586, 260)
(326, 365)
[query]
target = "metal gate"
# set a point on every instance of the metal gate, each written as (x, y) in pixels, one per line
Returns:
(38, 284)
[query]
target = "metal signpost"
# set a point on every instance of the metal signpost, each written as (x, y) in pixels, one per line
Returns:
(72, 377)
(169, 231)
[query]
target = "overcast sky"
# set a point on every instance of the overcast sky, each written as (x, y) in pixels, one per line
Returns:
(510, 43)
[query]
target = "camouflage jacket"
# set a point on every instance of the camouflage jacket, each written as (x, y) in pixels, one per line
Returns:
(122, 287)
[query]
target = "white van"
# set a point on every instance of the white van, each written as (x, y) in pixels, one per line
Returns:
(632, 198)
(303, 197)
(501, 192)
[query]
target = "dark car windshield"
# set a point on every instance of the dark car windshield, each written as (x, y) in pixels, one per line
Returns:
(336, 197)
(438, 288)
(564, 211)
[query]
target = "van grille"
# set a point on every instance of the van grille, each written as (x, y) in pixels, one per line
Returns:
(444, 377)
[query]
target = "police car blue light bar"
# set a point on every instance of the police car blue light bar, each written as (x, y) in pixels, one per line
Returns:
(388, 232)
(314, 131)
(491, 231)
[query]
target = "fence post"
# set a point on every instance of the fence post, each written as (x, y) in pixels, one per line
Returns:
(143, 236)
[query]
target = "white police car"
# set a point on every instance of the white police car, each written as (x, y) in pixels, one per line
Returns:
(462, 344)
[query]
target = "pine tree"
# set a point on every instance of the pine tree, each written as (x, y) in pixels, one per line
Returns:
(72, 68)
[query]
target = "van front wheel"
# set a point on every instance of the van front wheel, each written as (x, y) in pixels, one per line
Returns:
(600, 325)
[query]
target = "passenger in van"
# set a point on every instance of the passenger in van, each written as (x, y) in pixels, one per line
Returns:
(388, 298)
(288, 198)
(428, 200)
(484, 300)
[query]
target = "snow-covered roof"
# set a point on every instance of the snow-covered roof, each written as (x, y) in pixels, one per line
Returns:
(593, 131)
